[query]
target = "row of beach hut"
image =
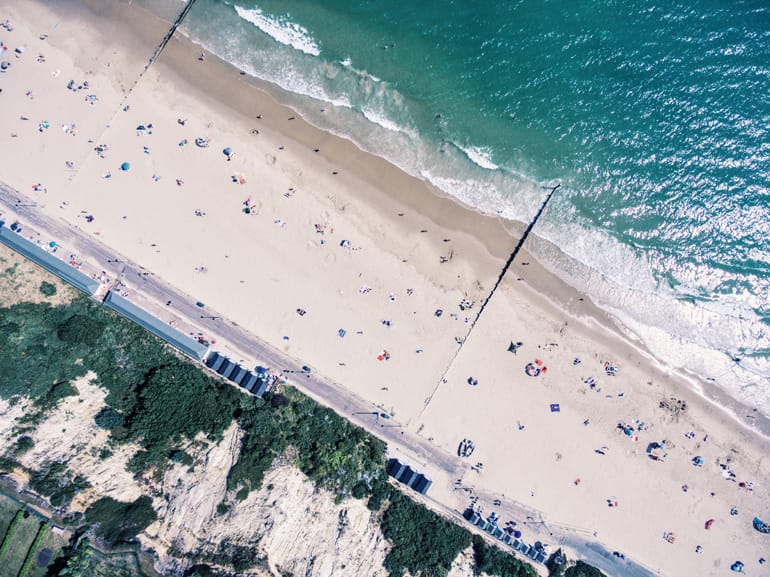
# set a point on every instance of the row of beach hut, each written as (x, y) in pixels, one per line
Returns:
(489, 526)
(408, 476)
(255, 383)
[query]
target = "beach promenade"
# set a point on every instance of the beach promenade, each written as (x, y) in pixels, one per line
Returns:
(441, 465)
(194, 185)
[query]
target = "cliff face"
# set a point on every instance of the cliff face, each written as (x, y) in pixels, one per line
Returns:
(286, 528)
(293, 528)
(69, 435)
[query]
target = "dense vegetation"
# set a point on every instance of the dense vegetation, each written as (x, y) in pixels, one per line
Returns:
(54, 481)
(494, 561)
(423, 542)
(162, 402)
(117, 522)
(79, 562)
(47, 289)
(43, 348)
(331, 451)
(239, 557)
(581, 569)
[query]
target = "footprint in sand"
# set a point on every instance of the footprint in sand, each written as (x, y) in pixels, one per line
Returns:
(329, 258)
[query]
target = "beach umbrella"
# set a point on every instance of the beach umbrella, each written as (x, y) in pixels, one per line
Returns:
(125, 166)
(709, 523)
(227, 151)
(141, 127)
(517, 534)
(4, 65)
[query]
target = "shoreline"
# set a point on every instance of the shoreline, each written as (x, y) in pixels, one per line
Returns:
(363, 200)
(496, 234)
(434, 203)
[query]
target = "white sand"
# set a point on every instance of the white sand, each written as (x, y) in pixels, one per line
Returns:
(263, 266)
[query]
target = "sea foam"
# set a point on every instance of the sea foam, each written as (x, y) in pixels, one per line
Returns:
(281, 29)
(613, 243)
(479, 155)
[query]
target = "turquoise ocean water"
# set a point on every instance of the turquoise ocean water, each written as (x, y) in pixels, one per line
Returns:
(654, 116)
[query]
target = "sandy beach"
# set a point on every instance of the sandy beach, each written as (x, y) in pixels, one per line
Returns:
(373, 278)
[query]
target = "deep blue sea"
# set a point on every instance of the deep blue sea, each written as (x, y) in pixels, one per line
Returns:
(653, 115)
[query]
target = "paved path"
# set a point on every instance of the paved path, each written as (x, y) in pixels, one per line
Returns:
(443, 466)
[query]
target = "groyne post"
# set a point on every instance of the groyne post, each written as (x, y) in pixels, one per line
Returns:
(500, 278)
(512, 256)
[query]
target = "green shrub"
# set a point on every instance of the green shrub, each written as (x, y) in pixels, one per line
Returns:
(581, 569)
(359, 491)
(47, 289)
(50, 480)
(32, 353)
(423, 542)
(23, 444)
(7, 464)
(50, 397)
(117, 522)
(140, 461)
(108, 418)
(263, 439)
(79, 562)
(239, 557)
(55, 482)
(223, 508)
(80, 329)
(494, 561)
(380, 492)
(175, 401)
(243, 493)
(179, 456)
(332, 451)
